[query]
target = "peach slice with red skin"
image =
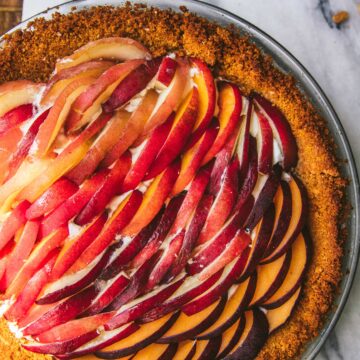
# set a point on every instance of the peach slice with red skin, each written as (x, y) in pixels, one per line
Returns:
(25, 144)
(105, 141)
(183, 124)
(73, 248)
(125, 212)
(187, 326)
(141, 305)
(154, 198)
(299, 211)
(35, 260)
(230, 104)
(278, 316)
(148, 152)
(106, 191)
(223, 203)
(104, 340)
(227, 279)
(265, 144)
(112, 48)
(61, 79)
(299, 263)
(144, 336)
(208, 252)
(73, 328)
(167, 70)
(281, 130)
(15, 117)
(168, 101)
(270, 277)
(88, 104)
(207, 96)
(233, 310)
(206, 348)
(73, 205)
(135, 82)
(13, 222)
(21, 251)
(160, 232)
(134, 128)
(157, 351)
(58, 113)
(14, 94)
(31, 290)
(192, 158)
(54, 196)
(185, 351)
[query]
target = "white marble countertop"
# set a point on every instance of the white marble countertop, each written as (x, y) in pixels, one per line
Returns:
(332, 56)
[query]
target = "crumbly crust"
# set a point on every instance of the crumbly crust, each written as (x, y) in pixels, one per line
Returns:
(31, 54)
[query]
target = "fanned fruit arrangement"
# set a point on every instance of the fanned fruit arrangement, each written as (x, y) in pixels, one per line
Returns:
(148, 210)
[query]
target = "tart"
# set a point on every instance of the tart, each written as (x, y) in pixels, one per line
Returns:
(166, 193)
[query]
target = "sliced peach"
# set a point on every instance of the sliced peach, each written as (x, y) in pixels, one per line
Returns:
(187, 327)
(135, 82)
(22, 250)
(105, 141)
(154, 198)
(168, 101)
(23, 148)
(88, 104)
(278, 316)
(298, 265)
(181, 128)
(112, 48)
(186, 350)
(64, 77)
(134, 127)
(270, 277)
(17, 93)
(166, 70)
(230, 104)
(205, 349)
(58, 113)
(74, 247)
(144, 154)
(15, 117)
(42, 250)
(207, 95)
(191, 160)
(143, 337)
(117, 222)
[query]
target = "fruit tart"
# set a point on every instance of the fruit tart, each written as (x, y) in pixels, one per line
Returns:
(165, 194)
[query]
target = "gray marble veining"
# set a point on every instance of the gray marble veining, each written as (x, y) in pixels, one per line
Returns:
(332, 56)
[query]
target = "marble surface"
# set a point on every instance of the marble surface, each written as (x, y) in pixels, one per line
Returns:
(331, 54)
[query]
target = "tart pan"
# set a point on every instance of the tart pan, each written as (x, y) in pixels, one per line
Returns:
(312, 91)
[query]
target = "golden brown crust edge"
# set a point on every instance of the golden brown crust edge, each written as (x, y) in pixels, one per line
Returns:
(31, 55)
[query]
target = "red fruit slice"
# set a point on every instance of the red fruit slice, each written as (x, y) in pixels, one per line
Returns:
(25, 144)
(166, 70)
(265, 144)
(73, 248)
(15, 117)
(145, 153)
(60, 191)
(181, 128)
(281, 130)
(35, 260)
(73, 205)
(110, 187)
(21, 251)
(117, 222)
(105, 141)
(89, 102)
(230, 104)
(31, 290)
(13, 223)
(134, 128)
(154, 198)
(132, 84)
